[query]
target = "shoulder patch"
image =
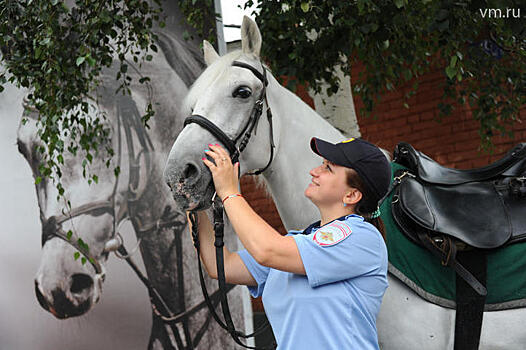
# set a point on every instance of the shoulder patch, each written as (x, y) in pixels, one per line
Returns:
(331, 234)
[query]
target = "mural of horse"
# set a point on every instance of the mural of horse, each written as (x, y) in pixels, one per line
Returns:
(63, 285)
(226, 94)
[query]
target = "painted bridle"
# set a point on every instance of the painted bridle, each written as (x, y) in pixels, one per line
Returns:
(52, 226)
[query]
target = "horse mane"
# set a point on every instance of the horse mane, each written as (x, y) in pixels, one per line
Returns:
(185, 60)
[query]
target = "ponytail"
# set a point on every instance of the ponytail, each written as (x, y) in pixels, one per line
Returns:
(366, 206)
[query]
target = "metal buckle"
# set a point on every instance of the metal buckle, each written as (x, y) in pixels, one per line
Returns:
(399, 178)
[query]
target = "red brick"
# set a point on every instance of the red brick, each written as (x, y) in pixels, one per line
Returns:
(425, 106)
(413, 119)
(467, 145)
(425, 124)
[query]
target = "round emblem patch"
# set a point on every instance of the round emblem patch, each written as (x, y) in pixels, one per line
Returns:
(331, 234)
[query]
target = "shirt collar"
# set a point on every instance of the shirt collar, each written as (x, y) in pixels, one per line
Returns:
(316, 225)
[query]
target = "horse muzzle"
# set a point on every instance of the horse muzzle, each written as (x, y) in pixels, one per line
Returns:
(191, 185)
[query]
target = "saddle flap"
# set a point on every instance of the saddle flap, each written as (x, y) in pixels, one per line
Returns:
(473, 213)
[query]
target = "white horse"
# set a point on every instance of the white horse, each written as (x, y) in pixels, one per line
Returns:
(226, 94)
(64, 286)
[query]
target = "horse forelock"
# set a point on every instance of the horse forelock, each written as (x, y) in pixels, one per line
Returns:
(210, 74)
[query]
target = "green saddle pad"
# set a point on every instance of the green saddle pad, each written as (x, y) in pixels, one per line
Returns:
(422, 272)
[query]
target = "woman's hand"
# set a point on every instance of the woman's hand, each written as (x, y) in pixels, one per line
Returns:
(225, 174)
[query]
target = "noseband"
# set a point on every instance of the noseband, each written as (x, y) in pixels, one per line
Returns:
(237, 145)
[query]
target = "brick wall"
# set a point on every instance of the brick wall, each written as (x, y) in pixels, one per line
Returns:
(453, 141)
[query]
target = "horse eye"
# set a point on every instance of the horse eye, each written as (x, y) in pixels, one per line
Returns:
(242, 91)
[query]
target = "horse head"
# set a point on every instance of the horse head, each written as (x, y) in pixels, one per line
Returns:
(226, 102)
(63, 284)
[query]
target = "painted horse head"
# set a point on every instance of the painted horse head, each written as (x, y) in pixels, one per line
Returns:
(63, 284)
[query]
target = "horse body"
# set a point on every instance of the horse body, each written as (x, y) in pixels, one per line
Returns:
(405, 321)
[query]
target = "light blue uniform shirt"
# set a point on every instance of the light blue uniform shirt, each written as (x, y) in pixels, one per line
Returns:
(335, 305)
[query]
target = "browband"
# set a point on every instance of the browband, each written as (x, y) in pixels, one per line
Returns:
(254, 70)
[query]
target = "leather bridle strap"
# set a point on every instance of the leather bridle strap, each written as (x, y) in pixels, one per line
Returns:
(214, 130)
(262, 77)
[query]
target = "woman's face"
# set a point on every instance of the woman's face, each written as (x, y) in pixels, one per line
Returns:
(328, 185)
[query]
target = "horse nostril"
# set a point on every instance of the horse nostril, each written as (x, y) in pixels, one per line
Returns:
(189, 171)
(41, 300)
(80, 282)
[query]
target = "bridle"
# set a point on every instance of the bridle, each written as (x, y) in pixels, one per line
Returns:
(235, 150)
(237, 145)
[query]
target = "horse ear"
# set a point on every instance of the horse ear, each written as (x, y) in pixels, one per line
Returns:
(210, 53)
(250, 37)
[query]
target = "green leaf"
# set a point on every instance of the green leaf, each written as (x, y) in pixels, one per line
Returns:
(91, 61)
(453, 61)
(38, 180)
(76, 255)
(399, 3)
(69, 234)
(451, 72)
(83, 260)
(80, 60)
(305, 6)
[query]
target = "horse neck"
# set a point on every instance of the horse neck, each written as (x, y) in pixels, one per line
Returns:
(296, 123)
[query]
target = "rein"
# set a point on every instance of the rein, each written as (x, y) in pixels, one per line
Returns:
(218, 210)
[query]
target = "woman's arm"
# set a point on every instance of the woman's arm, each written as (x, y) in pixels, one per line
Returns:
(235, 270)
(265, 244)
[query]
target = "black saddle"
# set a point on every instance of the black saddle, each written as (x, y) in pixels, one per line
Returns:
(469, 212)
(484, 207)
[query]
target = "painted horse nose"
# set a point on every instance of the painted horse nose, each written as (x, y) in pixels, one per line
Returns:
(80, 282)
(41, 299)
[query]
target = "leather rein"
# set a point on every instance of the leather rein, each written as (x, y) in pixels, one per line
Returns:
(235, 147)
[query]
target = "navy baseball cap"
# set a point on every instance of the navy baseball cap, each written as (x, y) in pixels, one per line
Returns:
(365, 158)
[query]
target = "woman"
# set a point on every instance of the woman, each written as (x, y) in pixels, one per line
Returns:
(321, 287)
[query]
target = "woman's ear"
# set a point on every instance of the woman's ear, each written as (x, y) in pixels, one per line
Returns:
(352, 197)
